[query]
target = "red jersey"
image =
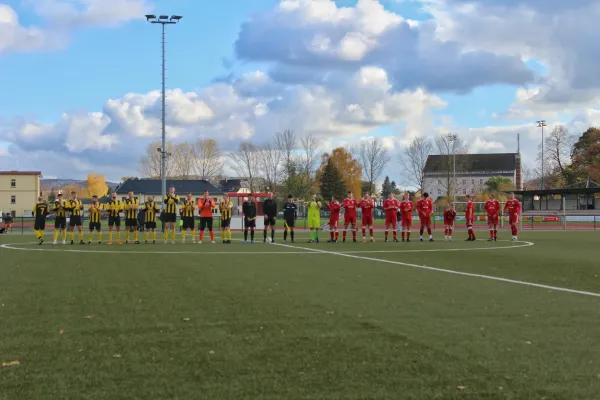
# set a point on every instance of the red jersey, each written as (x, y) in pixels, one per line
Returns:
(390, 207)
(367, 207)
(513, 207)
(470, 211)
(406, 209)
(449, 216)
(425, 207)
(492, 207)
(334, 208)
(350, 208)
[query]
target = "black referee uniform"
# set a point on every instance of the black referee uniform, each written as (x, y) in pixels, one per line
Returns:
(249, 210)
(270, 210)
(290, 210)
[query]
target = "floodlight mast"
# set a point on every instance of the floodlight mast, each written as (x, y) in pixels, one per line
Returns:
(542, 124)
(163, 20)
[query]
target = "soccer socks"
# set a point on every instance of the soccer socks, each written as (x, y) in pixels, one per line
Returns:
(118, 236)
(471, 233)
(344, 234)
(429, 231)
(136, 235)
(285, 235)
(166, 234)
(100, 236)
(371, 233)
(337, 235)
(422, 230)
(491, 233)
(354, 234)
(272, 233)
(127, 235)
(80, 236)
(403, 234)
(184, 234)
(201, 236)
(395, 234)
(495, 233)
(110, 236)
(193, 234)
(72, 236)
(64, 234)
(90, 236)
(292, 235)
(450, 233)
(364, 232)
(265, 235)
(173, 234)
(252, 235)
(212, 236)
(332, 235)
(153, 235)
(245, 235)
(228, 233)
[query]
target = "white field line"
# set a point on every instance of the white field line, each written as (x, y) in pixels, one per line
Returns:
(11, 246)
(448, 271)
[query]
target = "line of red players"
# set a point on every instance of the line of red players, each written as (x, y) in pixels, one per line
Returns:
(401, 213)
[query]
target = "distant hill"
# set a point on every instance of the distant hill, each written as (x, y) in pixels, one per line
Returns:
(59, 183)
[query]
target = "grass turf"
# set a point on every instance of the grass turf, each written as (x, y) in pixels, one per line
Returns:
(272, 322)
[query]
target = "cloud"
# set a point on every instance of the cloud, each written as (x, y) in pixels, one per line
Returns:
(559, 35)
(60, 18)
(250, 107)
(306, 40)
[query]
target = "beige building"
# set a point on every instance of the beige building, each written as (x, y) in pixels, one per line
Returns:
(19, 191)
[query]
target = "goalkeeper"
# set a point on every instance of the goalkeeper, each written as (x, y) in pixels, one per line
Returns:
(314, 219)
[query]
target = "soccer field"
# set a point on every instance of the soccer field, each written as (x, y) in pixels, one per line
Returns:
(493, 320)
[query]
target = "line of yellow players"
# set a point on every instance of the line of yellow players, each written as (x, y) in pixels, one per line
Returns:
(130, 207)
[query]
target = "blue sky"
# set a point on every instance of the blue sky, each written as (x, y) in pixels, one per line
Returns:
(78, 78)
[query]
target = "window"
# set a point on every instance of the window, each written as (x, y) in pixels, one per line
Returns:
(481, 181)
(13, 199)
(439, 192)
(473, 190)
(472, 181)
(464, 181)
(464, 191)
(13, 183)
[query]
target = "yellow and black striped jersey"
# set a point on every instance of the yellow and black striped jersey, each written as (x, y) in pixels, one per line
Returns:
(75, 207)
(171, 203)
(95, 212)
(60, 210)
(151, 209)
(114, 207)
(131, 207)
(225, 208)
(40, 210)
(187, 208)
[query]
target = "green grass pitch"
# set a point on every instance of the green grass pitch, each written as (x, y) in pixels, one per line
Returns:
(302, 321)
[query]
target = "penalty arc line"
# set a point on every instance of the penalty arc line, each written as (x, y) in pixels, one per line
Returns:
(449, 271)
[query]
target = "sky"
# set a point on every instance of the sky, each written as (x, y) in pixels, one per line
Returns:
(80, 79)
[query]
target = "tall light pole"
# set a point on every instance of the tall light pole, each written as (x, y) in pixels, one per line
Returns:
(453, 138)
(163, 20)
(542, 124)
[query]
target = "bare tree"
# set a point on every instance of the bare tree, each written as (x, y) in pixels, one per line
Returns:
(150, 162)
(183, 160)
(374, 157)
(414, 158)
(557, 149)
(287, 143)
(245, 163)
(307, 163)
(208, 159)
(269, 161)
(451, 145)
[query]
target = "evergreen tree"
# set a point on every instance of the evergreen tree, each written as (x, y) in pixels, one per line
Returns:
(331, 182)
(394, 188)
(386, 187)
(51, 196)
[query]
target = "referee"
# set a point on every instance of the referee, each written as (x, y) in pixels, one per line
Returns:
(270, 210)
(289, 217)
(249, 210)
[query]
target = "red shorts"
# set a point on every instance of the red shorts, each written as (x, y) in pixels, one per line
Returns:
(448, 222)
(407, 221)
(367, 220)
(333, 223)
(513, 218)
(349, 220)
(492, 219)
(469, 222)
(425, 220)
(391, 220)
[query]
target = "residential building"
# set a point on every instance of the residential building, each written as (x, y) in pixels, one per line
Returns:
(19, 191)
(142, 188)
(472, 172)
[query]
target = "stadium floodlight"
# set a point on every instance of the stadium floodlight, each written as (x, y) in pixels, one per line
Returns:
(542, 124)
(163, 20)
(453, 138)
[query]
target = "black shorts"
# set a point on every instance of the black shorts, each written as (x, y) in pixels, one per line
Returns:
(114, 221)
(290, 222)
(206, 222)
(269, 221)
(131, 222)
(95, 226)
(75, 220)
(249, 223)
(60, 223)
(188, 222)
(225, 223)
(40, 224)
(150, 225)
(170, 217)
